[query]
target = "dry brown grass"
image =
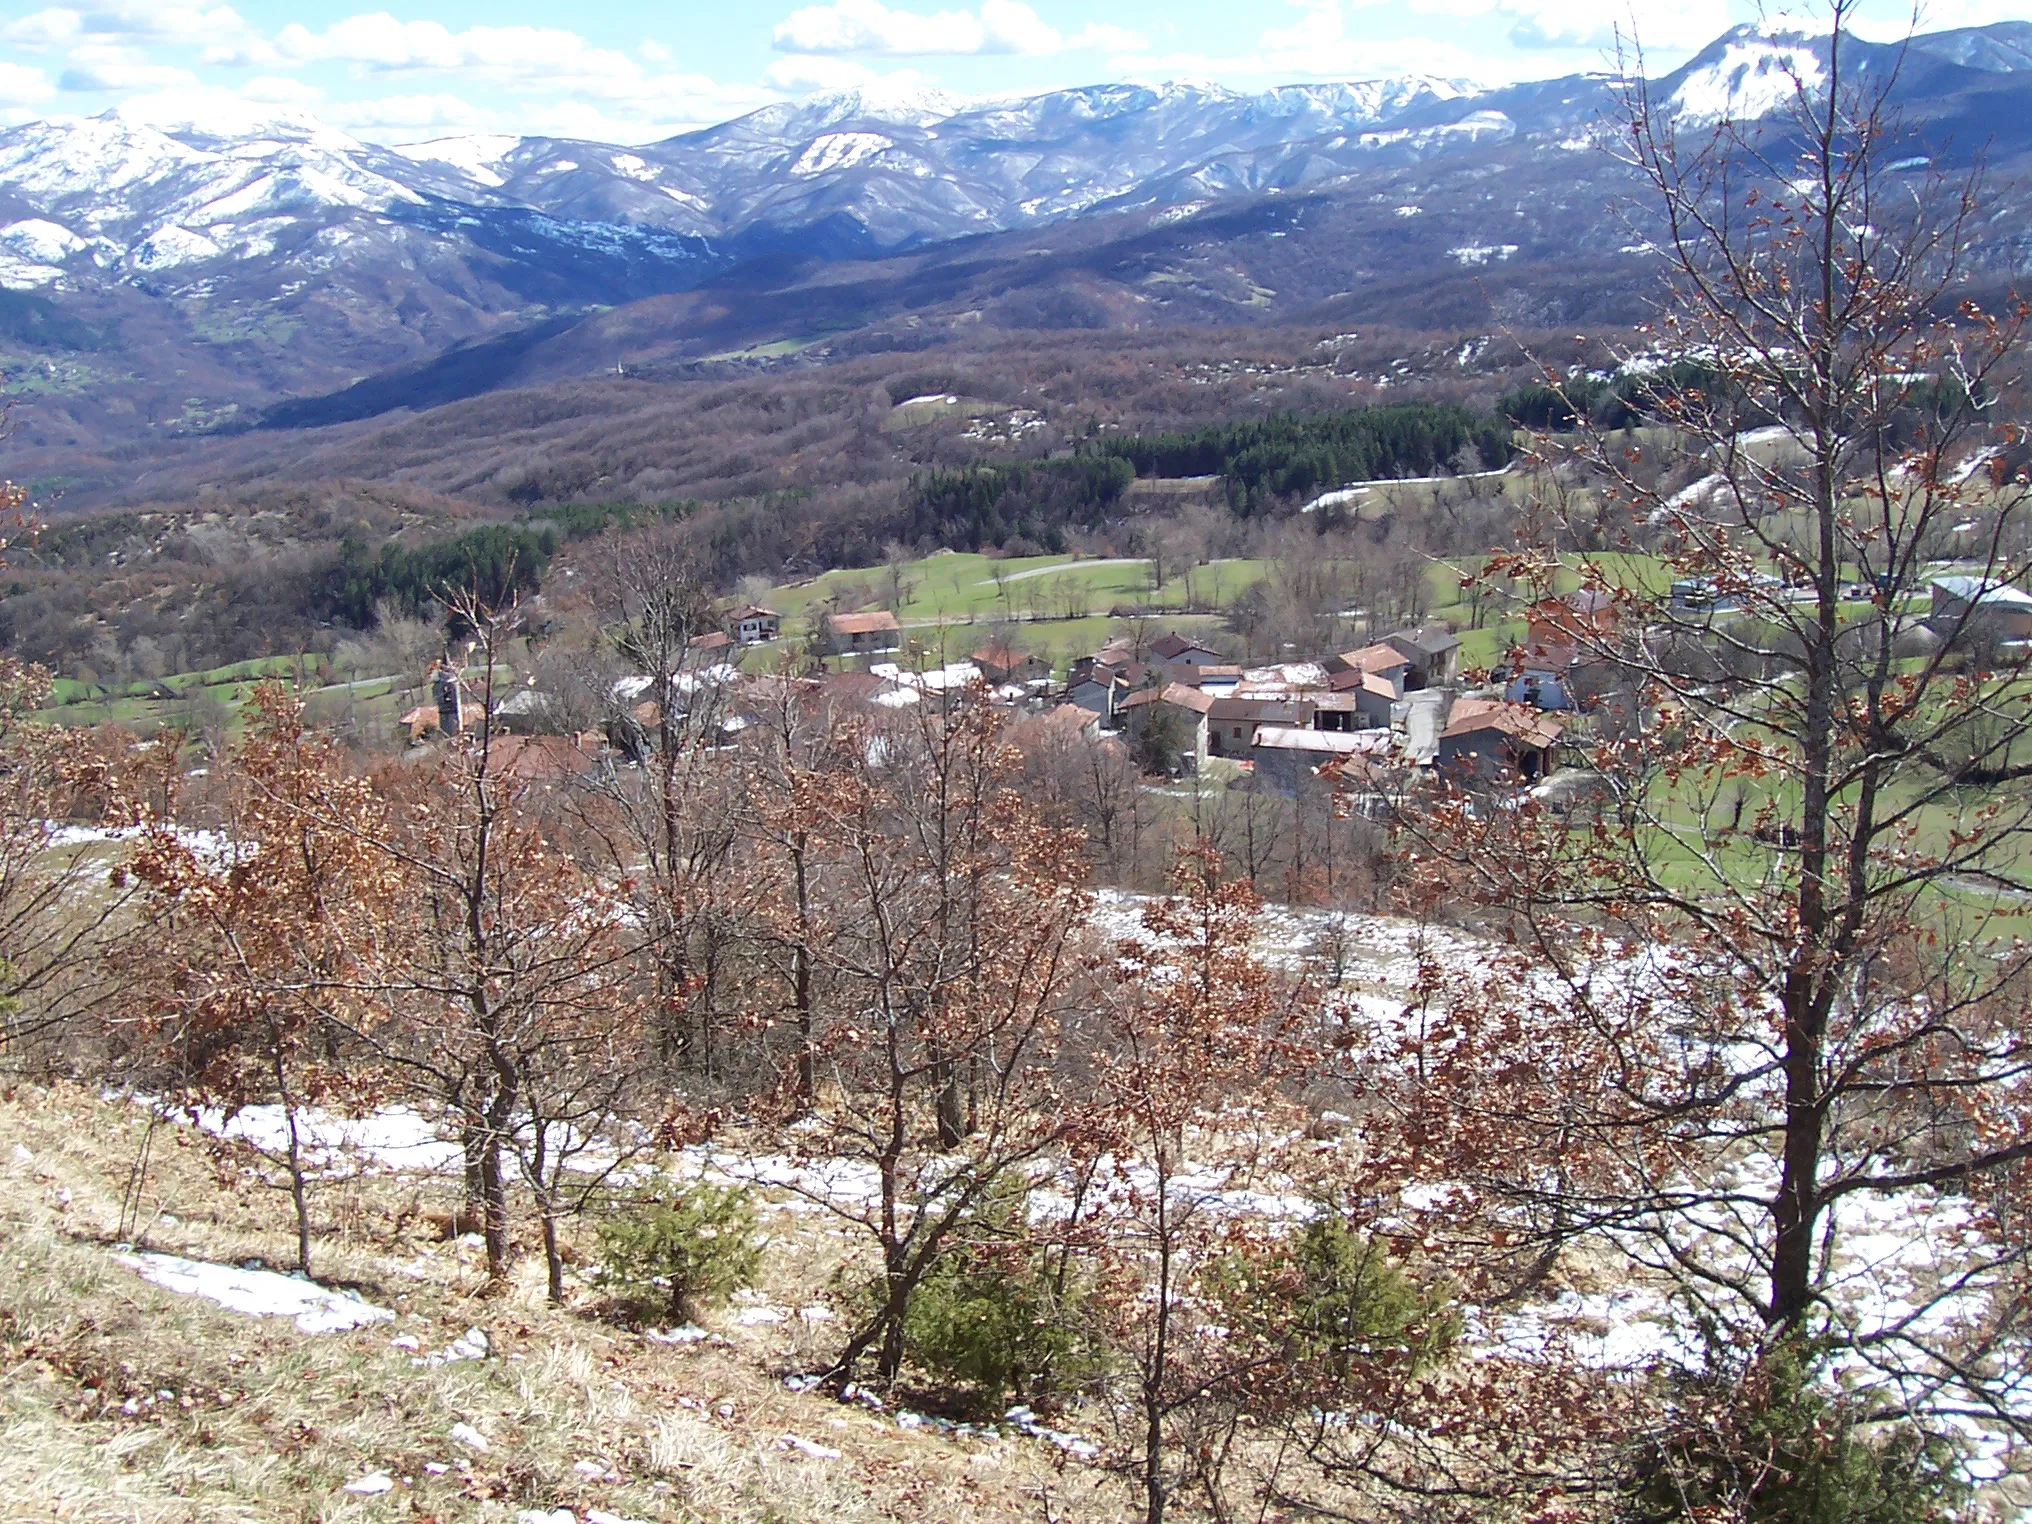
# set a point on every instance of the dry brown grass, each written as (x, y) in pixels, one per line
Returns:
(123, 1402)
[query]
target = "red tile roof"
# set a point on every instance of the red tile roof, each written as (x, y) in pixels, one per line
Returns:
(1534, 727)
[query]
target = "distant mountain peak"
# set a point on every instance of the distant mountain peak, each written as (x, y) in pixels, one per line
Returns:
(476, 155)
(219, 116)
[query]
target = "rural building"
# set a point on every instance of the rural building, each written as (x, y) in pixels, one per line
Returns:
(1373, 678)
(1056, 730)
(1115, 655)
(419, 723)
(1371, 694)
(1100, 693)
(1176, 651)
(1215, 677)
(526, 712)
(848, 634)
(1587, 618)
(1232, 723)
(1541, 677)
(1485, 740)
(755, 624)
(1002, 663)
(1189, 705)
(1982, 613)
(1380, 660)
(547, 761)
(1433, 655)
(705, 650)
(1287, 760)
(1339, 712)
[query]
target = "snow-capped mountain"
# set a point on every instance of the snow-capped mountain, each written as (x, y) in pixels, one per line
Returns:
(1760, 69)
(143, 195)
(256, 253)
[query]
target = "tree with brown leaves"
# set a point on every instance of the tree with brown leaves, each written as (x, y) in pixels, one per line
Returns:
(1759, 1030)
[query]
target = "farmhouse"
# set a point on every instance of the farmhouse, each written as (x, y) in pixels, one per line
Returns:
(1982, 613)
(847, 634)
(754, 624)
(1287, 760)
(1002, 663)
(1189, 705)
(1585, 618)
(1232, 723)
(1485, 740)
(1433, 655)
(1176, 651)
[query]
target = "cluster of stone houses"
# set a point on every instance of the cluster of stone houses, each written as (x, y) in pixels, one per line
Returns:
(1390, 712)
(1373, 719)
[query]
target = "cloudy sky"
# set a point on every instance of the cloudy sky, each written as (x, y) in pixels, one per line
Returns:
(633, 71)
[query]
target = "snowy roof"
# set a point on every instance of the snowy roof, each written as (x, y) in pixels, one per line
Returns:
(2000, 595)
(954, 675)
(1292, 674)
(1340, 743)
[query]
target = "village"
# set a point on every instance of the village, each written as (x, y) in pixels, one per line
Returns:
(1372, 726)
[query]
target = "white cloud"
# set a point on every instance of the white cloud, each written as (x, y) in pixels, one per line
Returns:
(380, 43)
(116, 76)
(800, 73)
(1321, 45)
(1545, 37)
(1657, 24)
(21, 85)
(123, 21)
(1000, 26)
(405, 117)
(281, 90)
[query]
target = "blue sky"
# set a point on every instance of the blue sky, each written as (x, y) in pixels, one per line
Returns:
(635, 71)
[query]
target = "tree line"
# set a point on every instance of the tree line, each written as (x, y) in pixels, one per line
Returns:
(1290, 456)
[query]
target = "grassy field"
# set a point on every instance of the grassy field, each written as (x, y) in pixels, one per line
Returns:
(956, 585)
(144, 705)
(128, 1404)
(950, 603)
(218, 698)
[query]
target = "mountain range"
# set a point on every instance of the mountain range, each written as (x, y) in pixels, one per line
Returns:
(163, 276)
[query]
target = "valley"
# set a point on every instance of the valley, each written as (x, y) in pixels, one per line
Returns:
(1148, 801)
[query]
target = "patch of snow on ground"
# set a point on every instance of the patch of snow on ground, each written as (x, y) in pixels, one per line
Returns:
(470, 1345)
(258, 1293)
(811, 1448)
(394, 1137)
(1481, 253)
